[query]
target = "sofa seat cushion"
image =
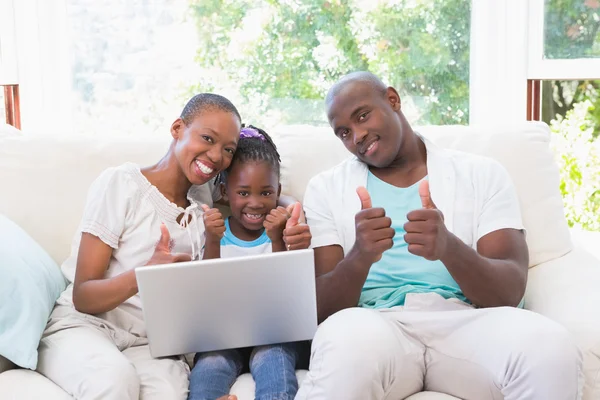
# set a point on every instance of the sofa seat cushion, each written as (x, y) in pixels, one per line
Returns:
(244, 389)
(28, 385)
(22, 384)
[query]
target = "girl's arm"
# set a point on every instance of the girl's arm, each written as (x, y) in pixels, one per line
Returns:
(212, 249)
(214, 229)
(94, 294)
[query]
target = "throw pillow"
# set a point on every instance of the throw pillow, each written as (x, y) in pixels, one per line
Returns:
(30, 283)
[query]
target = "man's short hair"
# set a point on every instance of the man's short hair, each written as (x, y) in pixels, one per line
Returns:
(353, 77)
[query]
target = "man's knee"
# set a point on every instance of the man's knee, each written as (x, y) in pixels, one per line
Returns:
(540, 342)
(355, 334)
(549, 344)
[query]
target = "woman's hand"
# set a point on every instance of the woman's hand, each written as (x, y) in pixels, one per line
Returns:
(162, 251)
(296, 235)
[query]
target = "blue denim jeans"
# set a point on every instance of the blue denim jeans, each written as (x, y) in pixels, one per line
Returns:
(273, 368)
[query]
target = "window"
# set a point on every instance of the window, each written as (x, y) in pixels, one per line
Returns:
(572, 109)
(564, 91)
(571, 29)
(135, 63)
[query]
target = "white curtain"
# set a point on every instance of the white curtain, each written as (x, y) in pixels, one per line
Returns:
(42, 63)
(498, 76)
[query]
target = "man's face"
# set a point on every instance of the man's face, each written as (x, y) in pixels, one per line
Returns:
(367, 122)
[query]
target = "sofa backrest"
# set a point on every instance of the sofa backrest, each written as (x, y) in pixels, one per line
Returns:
(44, 179)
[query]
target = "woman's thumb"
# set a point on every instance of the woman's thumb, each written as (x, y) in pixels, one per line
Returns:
(165, 237)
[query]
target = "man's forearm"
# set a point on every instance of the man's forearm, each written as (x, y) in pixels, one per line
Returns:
(340, 288)
(484, 281)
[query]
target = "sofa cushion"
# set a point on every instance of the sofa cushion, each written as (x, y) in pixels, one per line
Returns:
(566, 290)
(244, 389)
(30, 283)
(6, 365)
(48, 178)
(20, 384)
(62, 168)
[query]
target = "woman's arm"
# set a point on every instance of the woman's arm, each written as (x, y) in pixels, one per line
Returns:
(94, 294)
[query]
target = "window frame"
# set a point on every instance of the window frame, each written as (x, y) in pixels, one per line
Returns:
(541, 68)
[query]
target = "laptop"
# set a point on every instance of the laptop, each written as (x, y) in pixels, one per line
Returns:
(207, 305)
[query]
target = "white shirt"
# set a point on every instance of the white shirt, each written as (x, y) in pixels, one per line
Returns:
(475, 194)
(125, 211)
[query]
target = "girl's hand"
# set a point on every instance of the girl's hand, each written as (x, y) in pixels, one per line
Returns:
(275, 223)
(214, 224)
(162, 252)
(296, 236)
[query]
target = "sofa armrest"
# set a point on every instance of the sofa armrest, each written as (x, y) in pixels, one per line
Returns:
(567, 290)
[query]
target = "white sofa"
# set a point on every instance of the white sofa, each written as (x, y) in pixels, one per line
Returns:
(43, 182)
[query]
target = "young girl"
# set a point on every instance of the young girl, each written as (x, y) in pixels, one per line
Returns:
(95, 344)
(257, 225)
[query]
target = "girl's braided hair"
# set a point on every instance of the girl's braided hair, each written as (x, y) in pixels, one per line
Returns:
(254, 145)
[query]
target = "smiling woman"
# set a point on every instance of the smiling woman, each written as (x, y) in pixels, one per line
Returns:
(134, 217)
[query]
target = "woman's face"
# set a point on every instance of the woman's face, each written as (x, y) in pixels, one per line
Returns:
(206, 146)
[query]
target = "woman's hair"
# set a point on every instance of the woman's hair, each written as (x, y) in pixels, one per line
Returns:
(254, 145)
(206, 102)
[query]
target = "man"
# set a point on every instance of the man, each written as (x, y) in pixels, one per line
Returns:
(430, 245)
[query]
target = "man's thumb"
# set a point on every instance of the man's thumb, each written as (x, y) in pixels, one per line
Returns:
(293, 220)
(365, 198)
(165, 237)
(425, 195)
(205, 207)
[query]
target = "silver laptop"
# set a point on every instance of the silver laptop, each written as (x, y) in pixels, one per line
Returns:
(228, 303)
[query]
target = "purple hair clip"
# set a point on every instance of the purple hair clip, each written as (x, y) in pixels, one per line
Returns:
(251, 133)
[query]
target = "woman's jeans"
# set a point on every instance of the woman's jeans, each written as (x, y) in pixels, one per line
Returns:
(273, 368)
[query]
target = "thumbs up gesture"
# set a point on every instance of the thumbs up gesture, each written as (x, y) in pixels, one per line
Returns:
(426, 233)
(214, 224)
(374, 234)
(162, 251)
(296, 235)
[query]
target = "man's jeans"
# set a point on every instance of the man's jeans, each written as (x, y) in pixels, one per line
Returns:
(272, 367)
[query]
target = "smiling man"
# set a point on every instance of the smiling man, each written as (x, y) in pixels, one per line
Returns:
(421, 263)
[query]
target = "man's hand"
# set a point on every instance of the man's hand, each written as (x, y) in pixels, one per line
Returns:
(296, 235)
(374, 234)
(162, 252)
(426, 234)
(275, 223)
(214, 224)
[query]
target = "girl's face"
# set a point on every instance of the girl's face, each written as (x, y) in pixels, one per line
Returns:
(252, 190)
(206, 146)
